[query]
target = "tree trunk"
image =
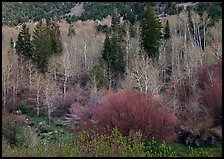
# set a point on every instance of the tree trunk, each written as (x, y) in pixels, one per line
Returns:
(127, 46)
(38, 95)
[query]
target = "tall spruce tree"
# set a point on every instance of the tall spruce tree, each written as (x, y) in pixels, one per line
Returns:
(113, 51)
(117, 39)
(151, 32)
(167, 31)
(42, 47)
(46, 42)
(23, 44)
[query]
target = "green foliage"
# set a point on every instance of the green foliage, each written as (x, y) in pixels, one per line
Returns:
(83, 144)
(71, 31)
(23, 44)
(113, 50)
(25, 110)
(103, 28)
(167, 31)
(15, 13)
(23, 107)
(46, 42)
(214, 10)
(151, 32)
(96, 76)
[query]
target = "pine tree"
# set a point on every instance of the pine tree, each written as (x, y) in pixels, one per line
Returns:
(23, 44)
(46, 42)
(71, 31)
(113, 51)
(55, 36)
(42, 47)
(167, 31)
(117, 39)
(151, 32)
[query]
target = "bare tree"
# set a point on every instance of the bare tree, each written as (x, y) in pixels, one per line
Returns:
(143, 75)
(127, 41)
(51, 93)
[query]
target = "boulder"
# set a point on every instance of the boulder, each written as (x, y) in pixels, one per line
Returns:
(216, 132)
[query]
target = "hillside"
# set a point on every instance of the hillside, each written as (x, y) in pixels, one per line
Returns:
(14, 13)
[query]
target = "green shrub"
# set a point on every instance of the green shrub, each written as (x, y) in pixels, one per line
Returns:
(23, 107)
(83, 144)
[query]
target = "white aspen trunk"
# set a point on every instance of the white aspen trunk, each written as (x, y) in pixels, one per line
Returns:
(14, 91)
(204, 43)
(38, 95)
(85, 52)
(17, 77)
(195, 40)
(127, 47)
(110, 80)
(138, 39)
(75, 54)
(65, 81)
(199, 44)
(55, 69)
(185, 38)
(30, 77)
(191, 39)
(173, 58)
(4, 90)
(66, 65)
(48, 101)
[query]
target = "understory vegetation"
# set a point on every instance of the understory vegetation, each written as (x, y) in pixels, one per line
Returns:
(85, 145)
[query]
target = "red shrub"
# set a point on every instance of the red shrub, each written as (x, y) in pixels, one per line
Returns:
(210, 81)
(211, 98)
(133, 111)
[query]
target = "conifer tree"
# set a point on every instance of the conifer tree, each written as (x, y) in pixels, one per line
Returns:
(71, 31)
(46, 42)
(113, 51)
(151, 32)
(55, 37)
(167, 31)
(23, 44)
(42, 47)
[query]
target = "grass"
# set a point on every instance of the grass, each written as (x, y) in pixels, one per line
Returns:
(83, 145)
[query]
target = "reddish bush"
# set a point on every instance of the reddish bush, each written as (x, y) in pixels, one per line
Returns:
(133, 111)
(211, 98)
(210, 82)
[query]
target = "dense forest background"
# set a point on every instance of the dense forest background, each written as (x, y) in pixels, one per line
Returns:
(111, 68)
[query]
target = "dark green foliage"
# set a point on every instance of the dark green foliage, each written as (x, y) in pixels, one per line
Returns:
(25, 110)
(103, 28)
(23, 107)
(11, 43)
(46, 42)
(20, 12)
(113, 50)
(71, 31)
(23, 44)
(172, 9)
(151, 32)
(167, 31)
(41, 47)
(96, 76)
(133, 31)
(214, 10)
(117, 38)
